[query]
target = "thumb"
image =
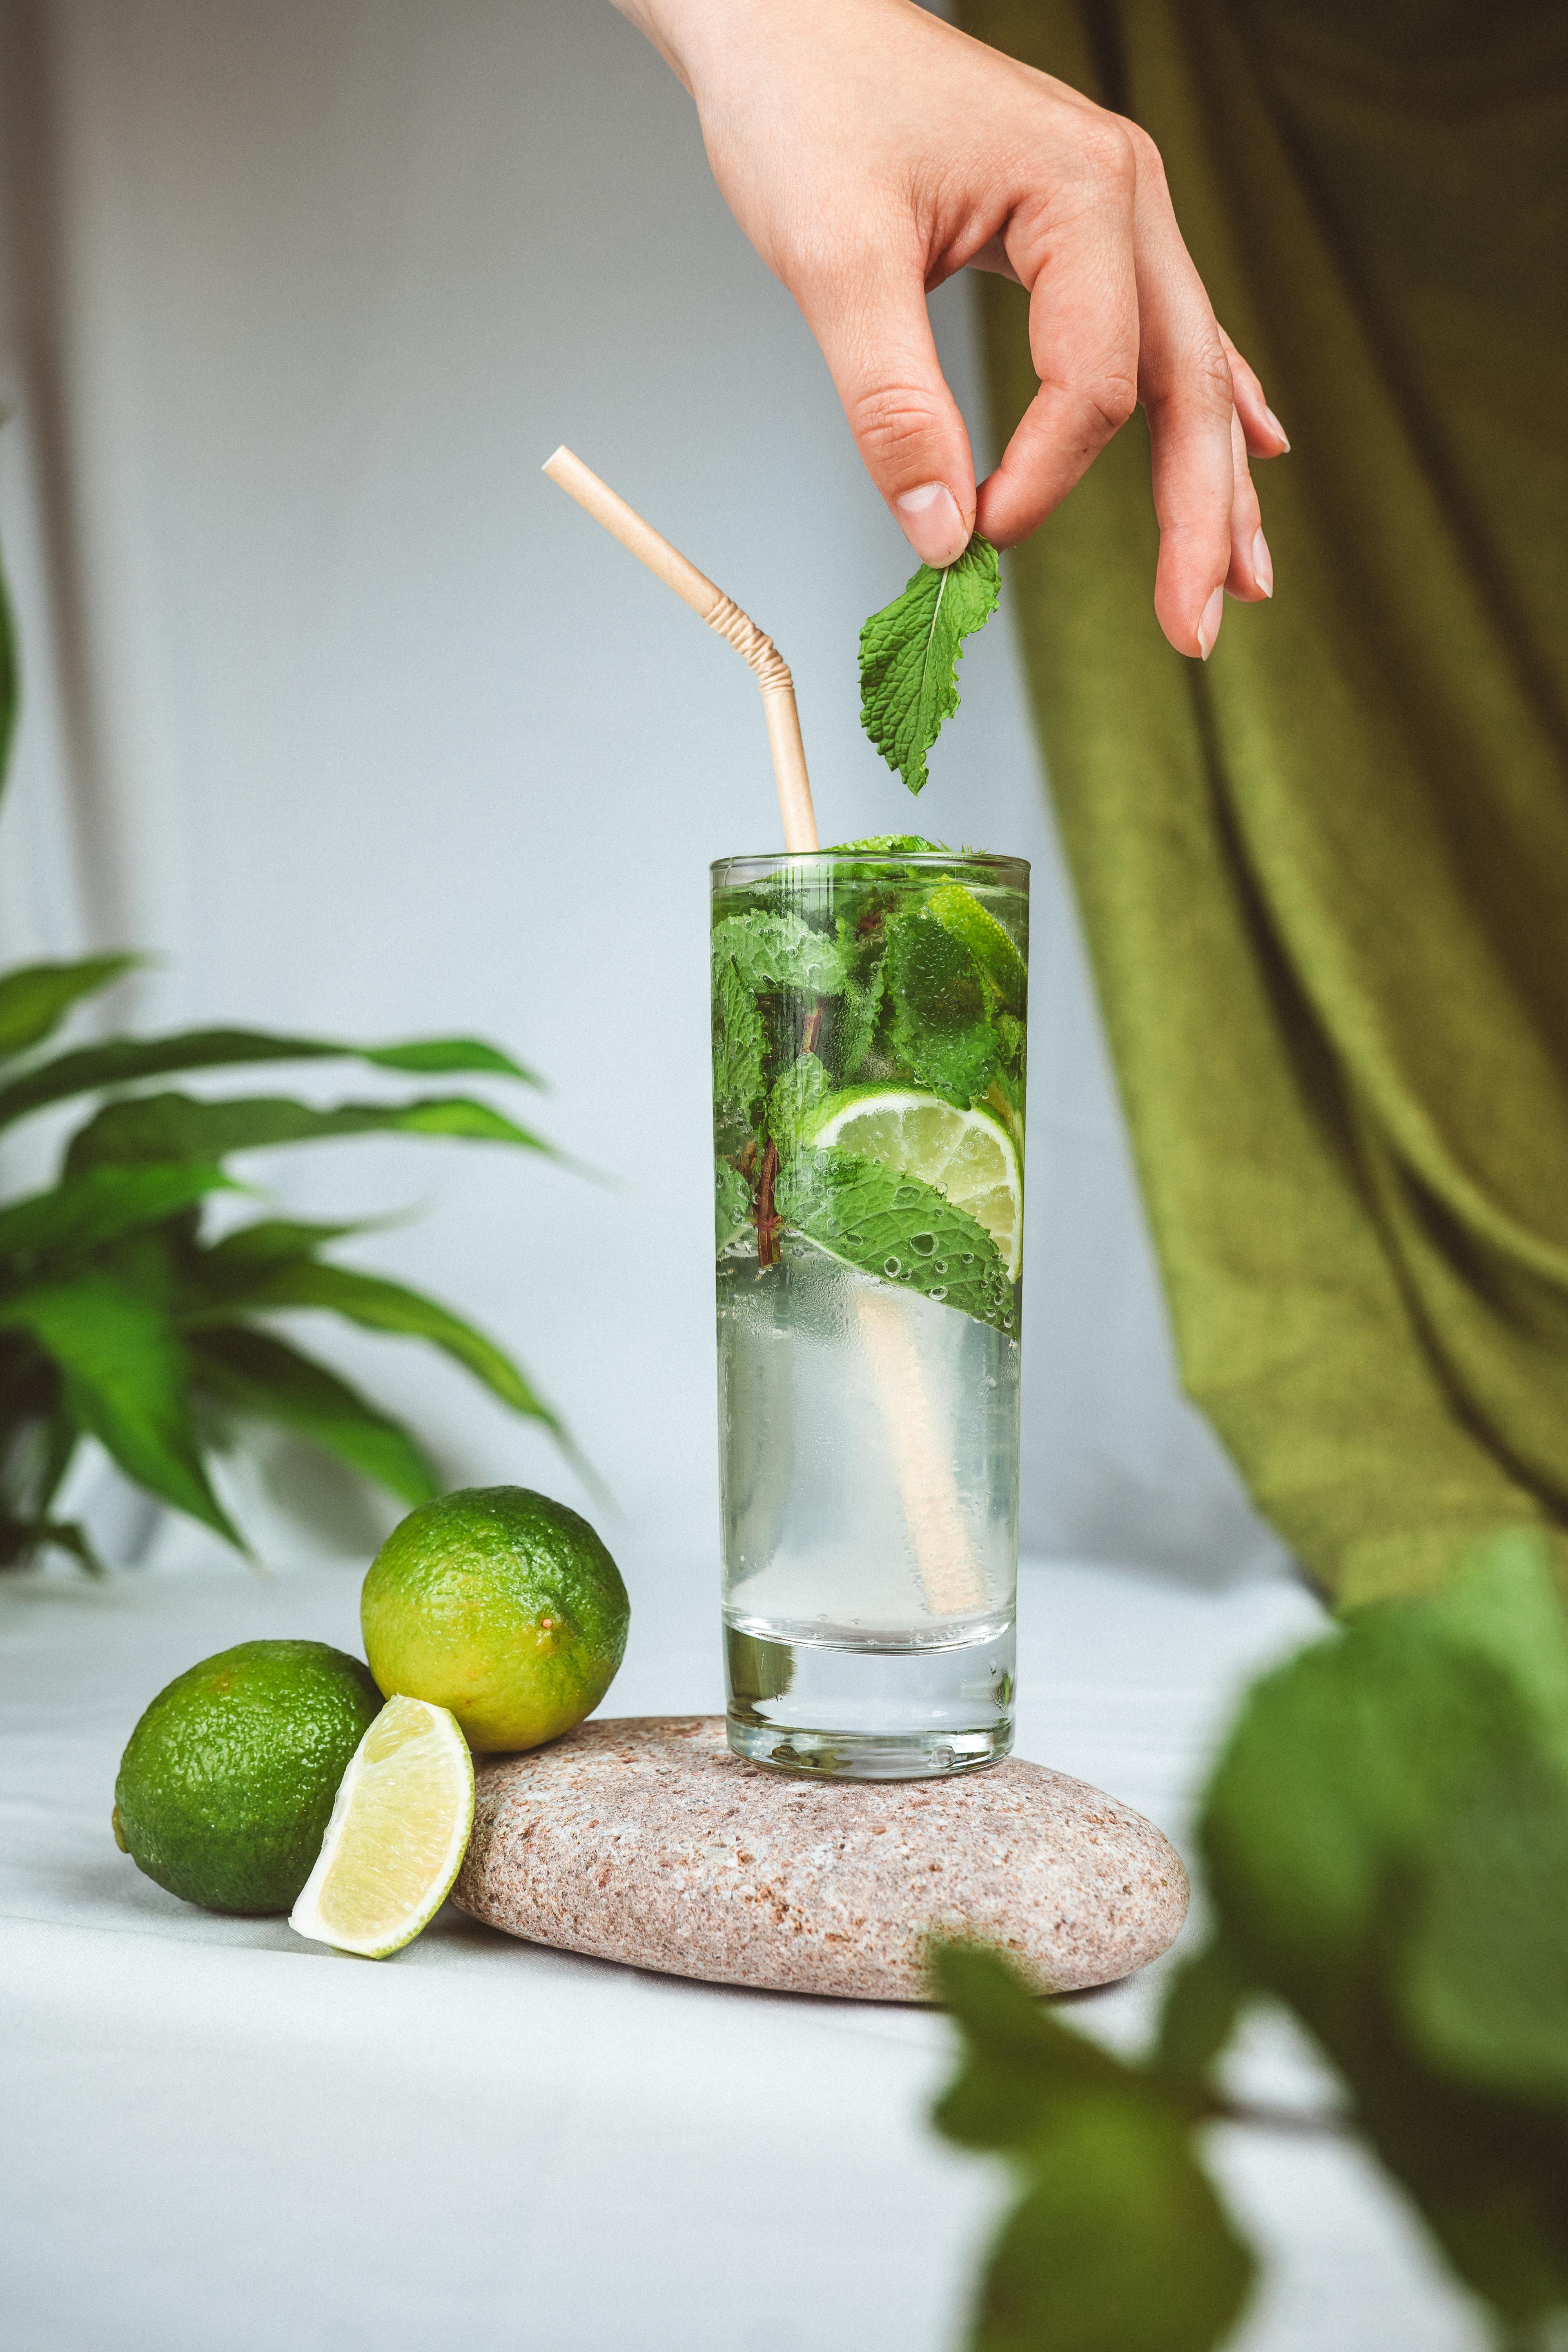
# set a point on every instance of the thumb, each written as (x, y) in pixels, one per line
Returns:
(876, 337)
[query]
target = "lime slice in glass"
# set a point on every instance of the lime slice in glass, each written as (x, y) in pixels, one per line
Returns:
(965, 1154)
(398, 1832)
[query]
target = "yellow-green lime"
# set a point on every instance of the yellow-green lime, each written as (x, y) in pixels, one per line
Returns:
(965, 1154)
(957, 911)
(502, 1605)
(227, 1783)
(397, 1835)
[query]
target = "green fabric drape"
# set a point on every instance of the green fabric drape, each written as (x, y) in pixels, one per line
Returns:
(1324, 879)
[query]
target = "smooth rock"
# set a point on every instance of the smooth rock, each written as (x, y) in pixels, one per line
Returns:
(644, 1840)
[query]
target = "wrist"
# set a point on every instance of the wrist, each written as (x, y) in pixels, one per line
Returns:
(700, 39)
(676, 29)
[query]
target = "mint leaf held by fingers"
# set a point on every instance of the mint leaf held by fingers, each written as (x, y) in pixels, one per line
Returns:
(909, 654)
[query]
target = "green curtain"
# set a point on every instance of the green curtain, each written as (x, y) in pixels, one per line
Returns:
(1324, 879)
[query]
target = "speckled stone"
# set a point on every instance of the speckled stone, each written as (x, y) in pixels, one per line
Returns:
(644, 1840)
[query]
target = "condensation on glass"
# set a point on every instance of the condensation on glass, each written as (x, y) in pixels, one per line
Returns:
(869, 1028)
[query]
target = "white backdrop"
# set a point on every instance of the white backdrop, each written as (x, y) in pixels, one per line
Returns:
(334, 701)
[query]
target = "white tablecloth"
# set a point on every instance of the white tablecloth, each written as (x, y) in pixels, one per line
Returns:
(218, 2136)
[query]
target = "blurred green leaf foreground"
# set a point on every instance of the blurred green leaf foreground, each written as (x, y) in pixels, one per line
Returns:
(1387, 1846)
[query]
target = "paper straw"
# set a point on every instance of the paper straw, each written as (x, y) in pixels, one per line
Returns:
(721, 613)
(952, 1579)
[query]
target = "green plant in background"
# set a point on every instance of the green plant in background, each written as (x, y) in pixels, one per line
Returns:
(121, 1319)
(1387, 1844)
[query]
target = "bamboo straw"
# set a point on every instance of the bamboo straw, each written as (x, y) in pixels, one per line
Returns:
(952, 1579)
(711, 604)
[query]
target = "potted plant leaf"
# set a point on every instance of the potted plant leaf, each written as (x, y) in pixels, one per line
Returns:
(121, 1316)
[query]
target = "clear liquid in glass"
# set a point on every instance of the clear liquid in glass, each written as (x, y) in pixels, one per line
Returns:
(870, 1557)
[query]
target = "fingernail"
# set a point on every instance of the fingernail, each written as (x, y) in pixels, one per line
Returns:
(1263, 565)
(932, 524)
(1208, 626)
(1278, 428)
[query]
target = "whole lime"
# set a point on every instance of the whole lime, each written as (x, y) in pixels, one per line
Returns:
(502, 1605)
(227, 1783)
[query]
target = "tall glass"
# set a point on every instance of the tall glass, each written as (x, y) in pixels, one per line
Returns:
(869, 1014)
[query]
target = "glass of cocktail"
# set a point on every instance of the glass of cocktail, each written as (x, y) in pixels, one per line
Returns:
(869, 1011)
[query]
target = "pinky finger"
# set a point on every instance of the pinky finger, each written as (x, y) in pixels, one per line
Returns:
(1265, 434)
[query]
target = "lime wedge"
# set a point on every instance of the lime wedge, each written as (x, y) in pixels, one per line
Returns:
(965, 1154)
(398, 1832)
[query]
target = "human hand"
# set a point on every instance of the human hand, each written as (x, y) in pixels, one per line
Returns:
(869, 152)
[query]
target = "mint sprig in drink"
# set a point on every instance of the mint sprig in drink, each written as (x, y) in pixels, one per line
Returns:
(869, 1028)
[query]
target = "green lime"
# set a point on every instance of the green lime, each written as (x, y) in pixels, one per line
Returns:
(227, 1784)
(502, 1605)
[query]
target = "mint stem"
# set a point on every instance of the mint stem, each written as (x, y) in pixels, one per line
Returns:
(768, 1221)
(770, 1224)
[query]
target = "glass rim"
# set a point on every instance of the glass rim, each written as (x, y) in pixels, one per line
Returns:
(773, 859)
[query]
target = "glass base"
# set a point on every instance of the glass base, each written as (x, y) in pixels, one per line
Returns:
(848, 1756)
(867, 1706)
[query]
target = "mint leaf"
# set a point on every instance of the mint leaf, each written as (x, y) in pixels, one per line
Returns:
(1117, 2243)
(1484, 1986)
(890, 845)
(796, 1096)
(1483, 1972)
(899, 1229)
(943, 1031)
(1388, 1832)
(1120, 2242)
(780, 952)
(1203, 2001)
(856, 1023)
(995, 954)
(1011, 1041)
(738, 1043)
(909, 654)
(1505, 1605)
(731, 1204)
